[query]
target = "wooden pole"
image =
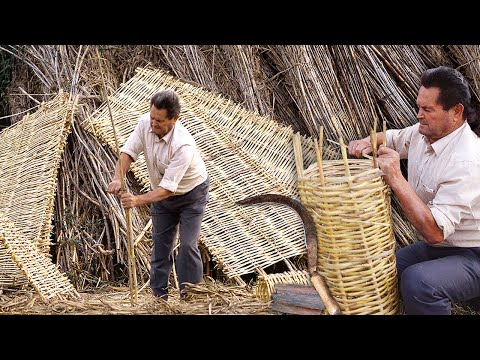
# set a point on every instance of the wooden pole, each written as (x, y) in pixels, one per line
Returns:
(132, 272)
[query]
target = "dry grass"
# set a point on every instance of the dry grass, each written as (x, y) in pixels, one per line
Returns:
(209, 298)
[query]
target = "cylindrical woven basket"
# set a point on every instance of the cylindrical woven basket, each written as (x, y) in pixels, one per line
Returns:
(356, 244)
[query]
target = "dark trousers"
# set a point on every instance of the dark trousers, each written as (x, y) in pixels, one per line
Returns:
(432, 278)
(183, 213)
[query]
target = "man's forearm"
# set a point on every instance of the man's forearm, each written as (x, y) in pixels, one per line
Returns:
(152, 196)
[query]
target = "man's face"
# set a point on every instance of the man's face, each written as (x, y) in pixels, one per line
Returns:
(435, 122)
(160, 123)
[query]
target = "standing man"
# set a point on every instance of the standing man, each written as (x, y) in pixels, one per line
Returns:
(442, 196)
(178, 194)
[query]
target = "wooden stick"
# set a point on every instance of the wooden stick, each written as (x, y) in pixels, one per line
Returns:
(384, 133)
(373, 139)
(132, 272)
(319, 155)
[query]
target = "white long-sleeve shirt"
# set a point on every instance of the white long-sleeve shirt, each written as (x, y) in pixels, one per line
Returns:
(446, 176)
(173, 162)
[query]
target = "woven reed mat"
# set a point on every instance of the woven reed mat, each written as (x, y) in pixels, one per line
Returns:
(245, 154)
(30, 154)
(351, 206)
(41, 272)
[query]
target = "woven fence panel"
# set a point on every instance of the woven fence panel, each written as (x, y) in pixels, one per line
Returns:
(30, 154)
(41, 272)
(245, 155)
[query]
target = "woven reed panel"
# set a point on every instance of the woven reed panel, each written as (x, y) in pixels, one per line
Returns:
(356, 244)
(41, 272)
(30, 155)
(245, 154)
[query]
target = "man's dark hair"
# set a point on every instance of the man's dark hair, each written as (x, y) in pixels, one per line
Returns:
(453, 90)
(167, 99)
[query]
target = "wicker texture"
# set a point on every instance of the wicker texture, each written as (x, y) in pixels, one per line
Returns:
(356, 244)
(245, 155)
(42, 274)
(30, 154)
(266, 282)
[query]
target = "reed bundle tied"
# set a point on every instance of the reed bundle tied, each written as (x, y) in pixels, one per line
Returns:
(351, 206)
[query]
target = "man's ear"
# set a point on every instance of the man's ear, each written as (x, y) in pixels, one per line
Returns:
(458, 111)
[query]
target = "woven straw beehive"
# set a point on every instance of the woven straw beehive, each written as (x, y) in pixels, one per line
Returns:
(351, 206)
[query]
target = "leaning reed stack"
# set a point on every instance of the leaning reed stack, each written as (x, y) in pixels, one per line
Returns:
(351, 206)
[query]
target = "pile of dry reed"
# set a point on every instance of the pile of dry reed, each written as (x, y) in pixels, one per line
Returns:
(209, 298)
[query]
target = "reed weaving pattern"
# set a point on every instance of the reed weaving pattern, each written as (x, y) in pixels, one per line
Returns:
(30, 154)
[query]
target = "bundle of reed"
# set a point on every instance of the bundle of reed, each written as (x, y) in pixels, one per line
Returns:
(397, 108)
(397, 59)
(363, 111)
(246, 68)
(241, 73)
(304, 82)
(203, 65)
(436, 55)
(42, 71)
(351, 206)
(321, 91)
(467, 57)
(280, 104)
(91, 228)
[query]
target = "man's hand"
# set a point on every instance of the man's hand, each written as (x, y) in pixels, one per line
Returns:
(114, 187)
(359, 148)
(389, 162)
(128, 200)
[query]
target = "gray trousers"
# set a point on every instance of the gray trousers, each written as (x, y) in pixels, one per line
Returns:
(432, 278)
(183, 213)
